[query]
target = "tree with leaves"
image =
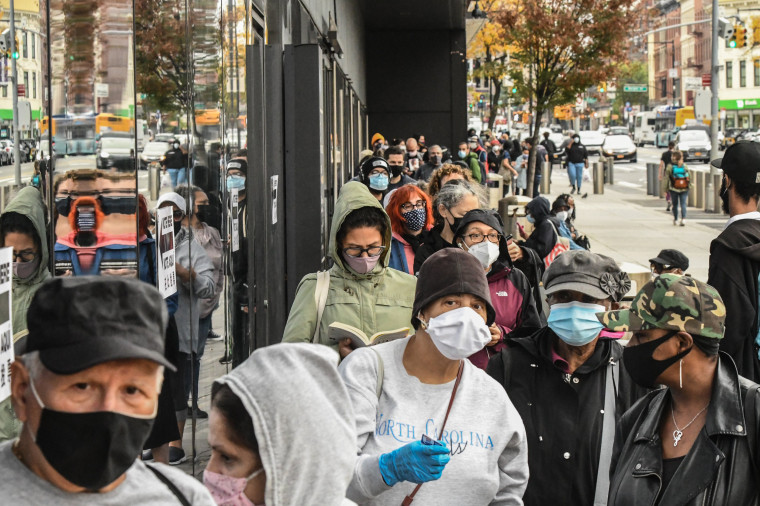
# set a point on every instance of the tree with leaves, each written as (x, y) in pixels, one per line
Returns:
(561, 48)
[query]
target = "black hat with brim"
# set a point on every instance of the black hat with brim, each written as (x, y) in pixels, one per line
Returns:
(741, 162)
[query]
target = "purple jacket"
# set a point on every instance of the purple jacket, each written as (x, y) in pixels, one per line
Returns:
(516, 314)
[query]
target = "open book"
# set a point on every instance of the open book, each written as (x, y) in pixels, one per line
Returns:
(339, 331)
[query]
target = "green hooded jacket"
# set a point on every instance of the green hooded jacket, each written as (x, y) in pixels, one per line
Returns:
(377, 301)
(27, 202)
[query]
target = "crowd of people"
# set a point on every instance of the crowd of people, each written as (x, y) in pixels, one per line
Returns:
(480, 368)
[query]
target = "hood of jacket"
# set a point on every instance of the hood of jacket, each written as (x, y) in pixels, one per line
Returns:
(28, 202)
(538, 208)
(355, 195)
(308, 443)
(743, 237)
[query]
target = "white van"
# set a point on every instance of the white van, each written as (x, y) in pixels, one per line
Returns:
(644, 128)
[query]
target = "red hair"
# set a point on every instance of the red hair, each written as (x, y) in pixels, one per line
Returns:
(85, 201)
(402, 195)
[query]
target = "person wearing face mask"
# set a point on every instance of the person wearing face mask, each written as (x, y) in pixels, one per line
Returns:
(669, 261)
(359, 289)
(430, 425)
(434, 161)
(378, 145)
(481, 233)
(474, 143)
(85, 385)
(376, 176)
(567, 383)
(577, 160)
(395, 158)
(252, 433)
(237, 170)
(174, 163)
(452, 202)
(466, 155)
(735, 255)
(693, 442)
(22, 227)
(195, 281)
(411, 215)
(413, 157)
(559, 218)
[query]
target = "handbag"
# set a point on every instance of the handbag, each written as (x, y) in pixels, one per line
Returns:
(562, 245)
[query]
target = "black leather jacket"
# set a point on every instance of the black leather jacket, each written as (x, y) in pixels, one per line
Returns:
(719, 468)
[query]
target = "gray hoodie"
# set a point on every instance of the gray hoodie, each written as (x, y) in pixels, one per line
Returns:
(302, 419)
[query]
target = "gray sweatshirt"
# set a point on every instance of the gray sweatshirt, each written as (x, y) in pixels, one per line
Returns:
(486, 436)
(188, 252)
(302, 419)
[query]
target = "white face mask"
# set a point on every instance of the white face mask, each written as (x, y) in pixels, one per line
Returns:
(562, 215)
(486, 252)
(458, 333)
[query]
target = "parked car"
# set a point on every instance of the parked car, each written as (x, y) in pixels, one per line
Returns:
(592, 139)
(164, 138)
(694, 144)
(116, 153)
(6, 154)
(619, 147)
(154, 152)
(619, 130)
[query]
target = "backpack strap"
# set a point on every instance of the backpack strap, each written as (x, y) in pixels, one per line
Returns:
(171, 486)
(320, 298)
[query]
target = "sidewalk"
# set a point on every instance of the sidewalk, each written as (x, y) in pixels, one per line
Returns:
(630, 226)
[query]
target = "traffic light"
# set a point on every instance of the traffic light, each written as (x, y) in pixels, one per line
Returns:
(732, 40)
(741, 36)
(602, 87)
(514, 89)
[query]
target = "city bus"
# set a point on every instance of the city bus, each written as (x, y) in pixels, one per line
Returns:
(72, 135)
(106, 122)
(664, 126)
(644, 128)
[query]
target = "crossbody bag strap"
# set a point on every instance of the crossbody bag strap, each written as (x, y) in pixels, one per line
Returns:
(608, 435)
(408, 499)
(171, 486)
(320, 298)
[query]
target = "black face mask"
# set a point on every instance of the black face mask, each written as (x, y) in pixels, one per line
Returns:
(455, 225)
(396, 170)
(91, 450)
(177, 227)
(63, 205)
(724, 196)
(435, 160)
(643, 369)
(209, 215)
(121, 205)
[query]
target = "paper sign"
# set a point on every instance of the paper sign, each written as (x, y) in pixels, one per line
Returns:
(275, 180)
(167, 273)
(234, 215)
(6, 328)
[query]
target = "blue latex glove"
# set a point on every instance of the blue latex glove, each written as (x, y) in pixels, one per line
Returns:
(414, 462)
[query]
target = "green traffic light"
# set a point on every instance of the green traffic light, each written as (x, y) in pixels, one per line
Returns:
(732, 43)
(514, 90)
(15, 55)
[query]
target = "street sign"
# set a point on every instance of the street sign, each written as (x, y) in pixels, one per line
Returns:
(706, 79)
(673, 73)
(21, 90)
(628, 104)
(101, 90)
(692, 83)
(591, 100)
(24, 115)
(642, 88)
(702, 104)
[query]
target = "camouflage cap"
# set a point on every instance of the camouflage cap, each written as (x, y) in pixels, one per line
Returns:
(672, 302)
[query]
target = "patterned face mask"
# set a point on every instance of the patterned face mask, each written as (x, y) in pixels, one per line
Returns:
(415, 219)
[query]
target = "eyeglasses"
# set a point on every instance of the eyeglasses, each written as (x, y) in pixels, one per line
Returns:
(420, 204)
(26, 256)
(373, 251)
(476, 237)
(378, 172)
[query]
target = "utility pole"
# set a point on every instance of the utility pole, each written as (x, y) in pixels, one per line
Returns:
(16, 157)
(710, 200)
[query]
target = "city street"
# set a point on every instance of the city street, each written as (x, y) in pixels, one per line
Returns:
(8, 173)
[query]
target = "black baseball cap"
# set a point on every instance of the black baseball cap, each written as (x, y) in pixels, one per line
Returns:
(741, 162)
(671, 258)
(78, 322)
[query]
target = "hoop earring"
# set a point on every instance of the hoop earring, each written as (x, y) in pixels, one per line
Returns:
(680, 373)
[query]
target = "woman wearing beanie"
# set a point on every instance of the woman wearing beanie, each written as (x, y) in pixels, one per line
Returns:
(411, 217)
(430, 425)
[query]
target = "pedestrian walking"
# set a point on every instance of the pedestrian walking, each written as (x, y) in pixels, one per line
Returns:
(669, 261)
(174, 163)
(735, 255)
(666, 160)
(359, 289)
(521, 166)
(577, 160)
(452, 203)
(424, 414)
(693, 442)
(85, 386)
(252, 432)
(411, 214)
(566, 383)
(679, 181)
(481, 233)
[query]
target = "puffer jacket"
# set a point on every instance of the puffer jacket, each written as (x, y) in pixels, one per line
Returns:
(379, 300)
(718, 470)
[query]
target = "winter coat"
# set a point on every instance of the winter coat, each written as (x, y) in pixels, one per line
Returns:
(472, 161)
(720, 468)
(433, 243)
(516, 313)
(379, 300)
(402, 255)
(544, 237)
(27, 202)
(562, 413)
(734, 270)
(209, 238)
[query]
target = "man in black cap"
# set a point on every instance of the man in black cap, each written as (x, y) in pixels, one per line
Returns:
(735, 255)
(669, 261)
(567, 384)
(86, 390)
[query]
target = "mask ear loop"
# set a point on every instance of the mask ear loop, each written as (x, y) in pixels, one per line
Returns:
(423, 323)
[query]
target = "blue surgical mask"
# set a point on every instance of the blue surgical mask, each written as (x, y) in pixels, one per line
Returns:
(530, 219)
(235, 181)
(462, 154)
(378, 182)
(576, 322)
